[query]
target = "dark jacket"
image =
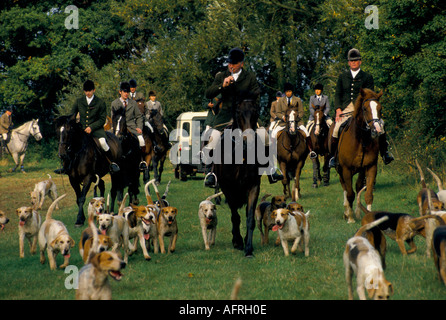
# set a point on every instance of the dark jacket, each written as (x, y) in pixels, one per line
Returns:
(93, 115)
(246, 82)
(347, 88)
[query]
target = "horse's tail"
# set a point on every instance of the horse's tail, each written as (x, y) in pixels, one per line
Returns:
(437, 179)
(214, 196)
(52, 206)
(358, 200)
(265, 197)
(49, 176)
(146, 191)
(122, 206)
(423, 182)
(370, 225)
(152, 182)
(236, 289)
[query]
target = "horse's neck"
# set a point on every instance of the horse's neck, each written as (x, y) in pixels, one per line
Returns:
(24, 129)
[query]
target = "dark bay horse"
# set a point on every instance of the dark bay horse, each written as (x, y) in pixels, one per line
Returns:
(319, 138)
(83, 159)
(292, 152)
(154, 157)
(358, 150)
(128, 176)
(162, 145)
(240, 180)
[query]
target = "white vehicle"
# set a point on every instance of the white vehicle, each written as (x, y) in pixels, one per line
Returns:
(190, 126)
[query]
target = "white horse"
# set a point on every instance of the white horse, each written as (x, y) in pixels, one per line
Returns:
(19, 141)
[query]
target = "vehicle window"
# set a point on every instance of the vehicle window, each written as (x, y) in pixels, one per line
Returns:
(186, 127)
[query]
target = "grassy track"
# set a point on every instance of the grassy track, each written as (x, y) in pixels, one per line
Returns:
(191, 273)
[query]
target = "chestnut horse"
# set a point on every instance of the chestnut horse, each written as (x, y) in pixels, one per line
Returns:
(358, 150)
(319, 138)
(292, 152)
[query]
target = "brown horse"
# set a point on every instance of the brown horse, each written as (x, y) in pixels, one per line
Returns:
(292, 152)
(319, 139)
(358, 150)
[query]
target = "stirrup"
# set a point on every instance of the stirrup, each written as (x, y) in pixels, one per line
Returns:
(332, 163)
(274, 176)
(206, 184)
(114, 167)
(387, 158)
(142, 165)
(313, 155)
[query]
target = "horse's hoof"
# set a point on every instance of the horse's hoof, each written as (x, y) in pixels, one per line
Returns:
(249, 255)
(314, 185)
(351, 220)
(78, 225)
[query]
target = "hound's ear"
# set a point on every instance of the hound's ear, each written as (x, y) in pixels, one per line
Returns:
(94, 259)
(274, 214)
(73, 243)
(175, 210)
(17, 211)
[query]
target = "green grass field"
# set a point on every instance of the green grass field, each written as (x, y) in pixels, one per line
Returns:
(191, 273)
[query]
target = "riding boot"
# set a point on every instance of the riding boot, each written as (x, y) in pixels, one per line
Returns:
(333, 149)
(113, 165)
(210, 179)
(3, 147)
(143, 164)
(273, 177)
(313, 154)
(385, 154)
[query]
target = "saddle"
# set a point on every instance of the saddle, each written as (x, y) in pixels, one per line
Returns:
(345, 125)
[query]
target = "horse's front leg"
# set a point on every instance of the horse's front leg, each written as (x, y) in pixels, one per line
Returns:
(15, 157)
(316, 171)
(349, 195)
(296, 189)
(237, 240)
(326, 170)
(285, 180)
(80, 219)
(155, 169)
(250, 219)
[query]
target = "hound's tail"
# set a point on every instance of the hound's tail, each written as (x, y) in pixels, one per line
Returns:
(97, 181)
(265, 197)
(52, 206)
(236, 289)
(167, 190)
(370, 225)
(95, 244)
(423, 182)
(152, 182)
(122, 206)
(358, 201)
(214, 196)
(146, 191)
(437, 179)
(418, 223)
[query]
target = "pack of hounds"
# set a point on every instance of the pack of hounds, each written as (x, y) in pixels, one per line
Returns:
(107, 233)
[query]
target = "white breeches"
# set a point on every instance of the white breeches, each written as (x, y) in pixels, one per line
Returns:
(104, 144)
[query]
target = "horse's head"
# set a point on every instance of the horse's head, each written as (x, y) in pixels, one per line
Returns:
(246, 113)
(318, 118)
(66, 133)
(35, 130)
(119, 122)
(291, 119)
(369, 108)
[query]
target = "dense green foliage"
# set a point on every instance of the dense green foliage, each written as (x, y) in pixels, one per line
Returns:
(176, 47)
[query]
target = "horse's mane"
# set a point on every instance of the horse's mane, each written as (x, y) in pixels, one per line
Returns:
(23, 125)
(363, 95)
